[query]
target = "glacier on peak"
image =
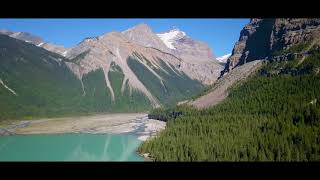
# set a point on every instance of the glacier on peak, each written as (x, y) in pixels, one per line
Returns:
(170, 37)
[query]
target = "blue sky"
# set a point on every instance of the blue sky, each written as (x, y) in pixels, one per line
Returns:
(220, 34)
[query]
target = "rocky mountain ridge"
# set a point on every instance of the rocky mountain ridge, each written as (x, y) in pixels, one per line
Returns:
(262, 38)
(35, 40)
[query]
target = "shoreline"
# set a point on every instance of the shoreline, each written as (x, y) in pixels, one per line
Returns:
(146, 157)
(136, 124)
(117, 123)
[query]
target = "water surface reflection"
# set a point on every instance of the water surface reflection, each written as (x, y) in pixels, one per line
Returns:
(69, 147)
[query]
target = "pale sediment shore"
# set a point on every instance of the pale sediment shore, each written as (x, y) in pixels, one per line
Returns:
(122, 123)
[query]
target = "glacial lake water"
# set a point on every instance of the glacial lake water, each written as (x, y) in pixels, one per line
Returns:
(69, 147)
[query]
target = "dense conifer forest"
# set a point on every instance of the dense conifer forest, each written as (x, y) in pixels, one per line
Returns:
(272, 116)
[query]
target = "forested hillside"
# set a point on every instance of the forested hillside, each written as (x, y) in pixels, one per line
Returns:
(273, 116)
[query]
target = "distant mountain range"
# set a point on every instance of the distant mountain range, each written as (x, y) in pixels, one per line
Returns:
(161, 69)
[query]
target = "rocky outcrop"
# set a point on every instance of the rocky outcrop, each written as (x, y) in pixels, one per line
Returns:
(289, 32)
(262, 37)
(254, 43)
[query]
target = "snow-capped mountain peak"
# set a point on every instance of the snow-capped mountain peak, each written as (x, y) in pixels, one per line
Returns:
(223, 58)
(170, 37)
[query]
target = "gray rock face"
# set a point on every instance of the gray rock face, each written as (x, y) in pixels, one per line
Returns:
(254, 43)
(186, 48)
(192, 50)
(261, 37)
(289, 32)
(143, 35)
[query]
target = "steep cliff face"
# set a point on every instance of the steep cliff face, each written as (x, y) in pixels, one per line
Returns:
(289, 32)
(263, 37)
(253, 43)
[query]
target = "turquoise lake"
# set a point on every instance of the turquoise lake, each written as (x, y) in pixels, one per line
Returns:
(69, 147)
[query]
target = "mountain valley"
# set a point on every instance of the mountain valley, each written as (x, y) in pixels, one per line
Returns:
(258, 103)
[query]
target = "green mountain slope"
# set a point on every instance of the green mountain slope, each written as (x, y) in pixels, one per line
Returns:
(45, 87)
(43, 84)
(175, 86)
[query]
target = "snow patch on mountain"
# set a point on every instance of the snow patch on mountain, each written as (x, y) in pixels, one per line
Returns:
(40, 44)
(64, 53)
(16, 34)
(223, 58)
(170, 37)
